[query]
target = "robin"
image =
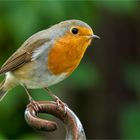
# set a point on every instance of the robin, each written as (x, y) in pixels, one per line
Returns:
(47, 57)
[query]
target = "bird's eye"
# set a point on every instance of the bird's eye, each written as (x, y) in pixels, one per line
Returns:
(74, 30)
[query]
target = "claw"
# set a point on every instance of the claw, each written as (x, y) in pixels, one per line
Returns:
(36, 106)
(61, 104)
(33, 103)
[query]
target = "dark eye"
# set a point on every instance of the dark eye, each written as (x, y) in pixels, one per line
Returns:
(74, 30)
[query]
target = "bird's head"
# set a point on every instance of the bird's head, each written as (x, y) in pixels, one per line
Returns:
(75, 33)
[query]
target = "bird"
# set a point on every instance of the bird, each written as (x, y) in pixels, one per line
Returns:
(47, 57)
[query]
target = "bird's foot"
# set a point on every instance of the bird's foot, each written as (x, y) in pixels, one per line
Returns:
(35, 105)
(59, 103)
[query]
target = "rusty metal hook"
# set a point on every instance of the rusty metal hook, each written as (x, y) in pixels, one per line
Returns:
(74, 128)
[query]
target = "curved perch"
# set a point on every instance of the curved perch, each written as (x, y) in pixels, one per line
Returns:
(74, 128)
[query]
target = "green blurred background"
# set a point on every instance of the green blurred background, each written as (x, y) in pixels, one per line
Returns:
(104, 91)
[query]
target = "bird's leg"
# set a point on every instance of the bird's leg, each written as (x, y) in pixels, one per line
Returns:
(33, 103)
(58, 101)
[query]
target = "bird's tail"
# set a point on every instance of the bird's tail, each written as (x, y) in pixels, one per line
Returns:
(2, 91)
(7, 84)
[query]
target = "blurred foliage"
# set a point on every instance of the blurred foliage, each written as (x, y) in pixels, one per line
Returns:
(132, 77)
(130, 122)
(93, 78)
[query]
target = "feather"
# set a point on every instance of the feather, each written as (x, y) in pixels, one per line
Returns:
(22, 55)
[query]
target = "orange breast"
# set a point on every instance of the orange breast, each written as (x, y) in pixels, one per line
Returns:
(66, 54)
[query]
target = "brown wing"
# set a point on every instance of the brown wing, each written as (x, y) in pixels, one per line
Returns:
(22, 55)
(15, 61)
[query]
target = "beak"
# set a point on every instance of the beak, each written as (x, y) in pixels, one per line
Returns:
(95, 37)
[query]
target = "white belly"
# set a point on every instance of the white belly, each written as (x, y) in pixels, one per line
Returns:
(46, 81)
(37, 76)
